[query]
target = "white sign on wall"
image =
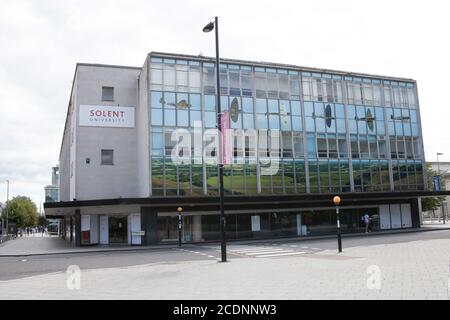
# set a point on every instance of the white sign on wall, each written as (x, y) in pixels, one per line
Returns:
(106, 116)
(256, 223)
(85, 222)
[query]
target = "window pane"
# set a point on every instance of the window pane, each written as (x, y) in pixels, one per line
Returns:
(296, 109)
(297, 123)
(248, 121)
(156, 99)
(183, 118)
(247, 105)
(194, 101)
(107, 93)
(156, 76)
(169, 117)
(107, 157)
(210, 103)
(261, 106)
(195, 116)
(157, 119)
(210, 120)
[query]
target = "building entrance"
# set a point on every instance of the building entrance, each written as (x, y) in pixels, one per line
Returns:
(118, 230)
(168, 229)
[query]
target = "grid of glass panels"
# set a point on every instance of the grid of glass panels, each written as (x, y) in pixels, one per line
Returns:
(346, 131)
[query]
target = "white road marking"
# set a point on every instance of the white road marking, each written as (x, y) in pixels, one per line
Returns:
(268, 253)
(251, 250)
(280, 254)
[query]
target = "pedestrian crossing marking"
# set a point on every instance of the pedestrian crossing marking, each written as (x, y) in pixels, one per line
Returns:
(281, 254)
(268, 252)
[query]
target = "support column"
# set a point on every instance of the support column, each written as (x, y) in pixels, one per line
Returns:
(419, 204)
(299, 225)
(71, 229)
(197, 229)
(78, 228)
(415, 213)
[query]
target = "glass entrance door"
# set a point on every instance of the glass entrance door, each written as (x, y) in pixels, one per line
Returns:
(168, 229)
(118, 230)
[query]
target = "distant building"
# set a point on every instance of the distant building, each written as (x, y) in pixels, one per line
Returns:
(52, 191)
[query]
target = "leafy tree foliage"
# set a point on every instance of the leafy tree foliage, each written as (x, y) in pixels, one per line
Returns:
(432, 203)
(22, 211)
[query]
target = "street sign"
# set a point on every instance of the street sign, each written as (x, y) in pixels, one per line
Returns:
(138, 233)
(437, 183)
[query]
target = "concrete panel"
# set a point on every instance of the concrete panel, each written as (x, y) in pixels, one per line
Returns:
(134, 225)
(396, 216)
(385, 217)
(406, 215)
(104, 230)
(94, 229)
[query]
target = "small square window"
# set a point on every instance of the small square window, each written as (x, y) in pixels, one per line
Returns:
(107, 94)
(107, 157)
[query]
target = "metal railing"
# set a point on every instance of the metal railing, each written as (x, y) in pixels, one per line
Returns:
(4, 238)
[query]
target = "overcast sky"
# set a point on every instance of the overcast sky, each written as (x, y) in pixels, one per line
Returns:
(42, 40)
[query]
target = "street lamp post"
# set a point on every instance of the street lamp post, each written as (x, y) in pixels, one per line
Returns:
(180, 224)
(208, 28)
(337, 201)
(7, 209)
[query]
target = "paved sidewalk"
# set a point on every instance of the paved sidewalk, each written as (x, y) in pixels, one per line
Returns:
(410, 270)
(34, 246)
(50, 245)
(436, 225)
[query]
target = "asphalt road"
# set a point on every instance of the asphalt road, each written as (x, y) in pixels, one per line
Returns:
(15, 268)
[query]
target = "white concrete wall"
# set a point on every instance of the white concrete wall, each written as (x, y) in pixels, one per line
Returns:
(93, 180)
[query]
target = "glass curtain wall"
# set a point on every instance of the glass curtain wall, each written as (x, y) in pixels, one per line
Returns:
(328, 124)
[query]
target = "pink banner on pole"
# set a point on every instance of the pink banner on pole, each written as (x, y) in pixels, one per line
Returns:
(226, 146)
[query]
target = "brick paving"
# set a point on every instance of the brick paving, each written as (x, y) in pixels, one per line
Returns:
(409, 270)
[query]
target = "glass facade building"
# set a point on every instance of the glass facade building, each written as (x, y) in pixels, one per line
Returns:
(52, 191)
(298, 137)
(338, 132)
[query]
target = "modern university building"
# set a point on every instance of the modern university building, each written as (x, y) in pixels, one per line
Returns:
(140, 142)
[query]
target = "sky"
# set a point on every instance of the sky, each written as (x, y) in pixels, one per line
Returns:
(42, 40)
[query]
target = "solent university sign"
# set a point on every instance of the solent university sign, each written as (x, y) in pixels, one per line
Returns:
(106, 116)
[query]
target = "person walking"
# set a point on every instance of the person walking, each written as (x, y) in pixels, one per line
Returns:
(366, 220)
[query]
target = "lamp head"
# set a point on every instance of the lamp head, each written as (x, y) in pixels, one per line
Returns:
(209, 27)
(180, 209)
(337, 200)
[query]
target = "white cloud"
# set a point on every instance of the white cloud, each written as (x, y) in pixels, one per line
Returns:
(42, 40)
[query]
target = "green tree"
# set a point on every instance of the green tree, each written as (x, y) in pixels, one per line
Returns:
(22, 211)
(432, 203)
(42, 221)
